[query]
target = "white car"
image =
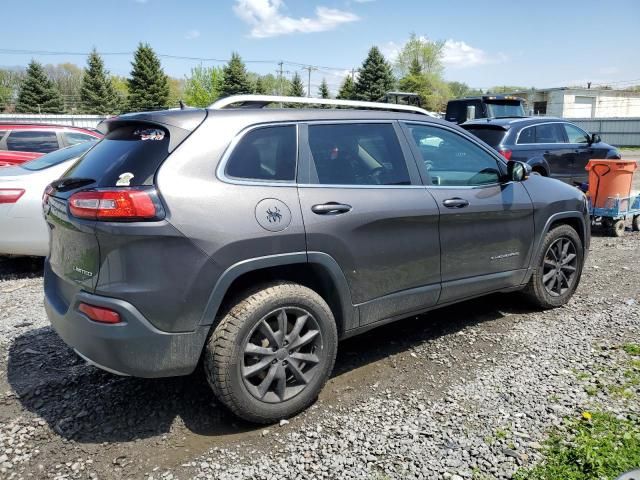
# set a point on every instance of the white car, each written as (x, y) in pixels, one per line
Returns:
(23, 230)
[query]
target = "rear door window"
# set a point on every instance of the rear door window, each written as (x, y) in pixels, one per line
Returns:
(73, 138)
(266, 154)
(357, 154)
(549, 133)
(129, 155)
(36, 141)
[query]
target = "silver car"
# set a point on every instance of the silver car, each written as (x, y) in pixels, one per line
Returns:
(23, 230)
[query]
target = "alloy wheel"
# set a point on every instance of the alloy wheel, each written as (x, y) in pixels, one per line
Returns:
(281, 355)
(560, 267)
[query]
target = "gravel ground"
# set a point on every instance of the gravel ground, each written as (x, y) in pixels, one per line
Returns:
(469, 391)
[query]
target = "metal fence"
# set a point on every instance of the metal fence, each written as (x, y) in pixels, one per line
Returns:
(86, 121)
(615, 131)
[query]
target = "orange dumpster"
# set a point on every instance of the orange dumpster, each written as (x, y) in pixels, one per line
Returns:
(609, 178)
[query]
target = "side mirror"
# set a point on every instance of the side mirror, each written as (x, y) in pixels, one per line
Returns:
(594, 138)
(518, 171)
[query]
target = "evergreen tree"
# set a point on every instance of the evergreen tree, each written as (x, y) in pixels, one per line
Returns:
(260, 88)
(96, 92)
(38, 93)
(375, 78)
(148, 85)
(415, 68)
(323, 91)
(297, 88)
(234, 79)
(347, 89)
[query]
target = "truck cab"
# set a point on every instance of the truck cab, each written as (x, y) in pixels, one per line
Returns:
(486, 106)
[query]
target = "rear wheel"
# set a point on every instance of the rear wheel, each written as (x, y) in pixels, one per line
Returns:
(635, 223)
(617, 228)
(558, 268)
(272, 353)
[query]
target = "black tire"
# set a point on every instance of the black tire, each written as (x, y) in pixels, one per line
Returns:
(635, 223)
(617, 228)
(240, 344)
(536, 290)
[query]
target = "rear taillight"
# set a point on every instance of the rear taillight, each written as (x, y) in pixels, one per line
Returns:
(125, 204)
(10, 195)
(506, 153)
(99, 314)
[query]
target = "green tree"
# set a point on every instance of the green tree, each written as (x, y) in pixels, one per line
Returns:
(148, 84)
(433, 90)
(67, 77)
(271, 84)
(375, 78)
(506, 89)
(97, 93)
(297, 88)
(427, 53)
(10, 81)
(459, 89)
(203, 86)
(38, 93)
(235, 80)
(176, 91)
(121, 88)
(323, 91)
(347, 89)
(259, 87)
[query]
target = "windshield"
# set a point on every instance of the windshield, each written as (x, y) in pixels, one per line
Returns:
(59, 156)
(497, 109)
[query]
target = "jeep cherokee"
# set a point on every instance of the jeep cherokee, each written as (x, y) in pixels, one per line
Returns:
(256, 238)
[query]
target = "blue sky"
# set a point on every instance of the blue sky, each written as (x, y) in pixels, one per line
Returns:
(491, 42)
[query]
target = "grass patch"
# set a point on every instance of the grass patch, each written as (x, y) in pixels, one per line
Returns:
(632, 349)
(603, 447)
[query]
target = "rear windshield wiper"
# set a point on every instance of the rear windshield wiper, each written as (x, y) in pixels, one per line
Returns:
(70, 183)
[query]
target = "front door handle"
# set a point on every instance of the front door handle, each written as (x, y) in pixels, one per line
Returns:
(455, 203)
(331, 208)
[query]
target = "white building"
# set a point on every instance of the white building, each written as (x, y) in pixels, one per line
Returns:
(581, 102)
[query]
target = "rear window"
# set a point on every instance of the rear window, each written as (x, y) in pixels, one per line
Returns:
(35, 141)
(497, 109)
(57, 157)
(129, 155)
(72, 138)
(490, 136)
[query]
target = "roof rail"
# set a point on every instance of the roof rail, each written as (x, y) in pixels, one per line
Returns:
(261, 101)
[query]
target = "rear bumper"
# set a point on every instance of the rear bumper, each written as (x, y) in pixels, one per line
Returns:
(134, 347)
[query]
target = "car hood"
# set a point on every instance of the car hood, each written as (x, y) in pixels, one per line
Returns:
(22, 175)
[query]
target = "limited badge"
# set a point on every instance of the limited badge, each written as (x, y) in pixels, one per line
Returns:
(273, 214)
(124, 180)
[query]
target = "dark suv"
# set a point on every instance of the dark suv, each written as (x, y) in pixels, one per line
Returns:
(553, 147)
(255, 239)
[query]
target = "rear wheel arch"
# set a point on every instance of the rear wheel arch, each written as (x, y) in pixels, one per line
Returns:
(316, 271)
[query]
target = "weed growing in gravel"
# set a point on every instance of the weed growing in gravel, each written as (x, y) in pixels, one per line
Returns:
(632, 349)
(599, 448)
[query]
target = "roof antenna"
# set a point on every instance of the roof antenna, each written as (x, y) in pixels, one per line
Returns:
(182, 105)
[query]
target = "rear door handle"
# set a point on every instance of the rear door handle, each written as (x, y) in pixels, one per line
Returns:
(331, 208)
(455, 203)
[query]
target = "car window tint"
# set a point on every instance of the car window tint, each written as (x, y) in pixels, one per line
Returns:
(73, 138)
(57, 157)
(549, 133)
(267, 153)
(575, 134)
(527, 135)
(357, 154)
(451, 159)
(36, 141)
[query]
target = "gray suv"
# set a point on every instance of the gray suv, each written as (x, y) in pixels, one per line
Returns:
(254, 239)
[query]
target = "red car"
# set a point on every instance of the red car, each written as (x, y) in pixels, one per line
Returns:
(20, 143)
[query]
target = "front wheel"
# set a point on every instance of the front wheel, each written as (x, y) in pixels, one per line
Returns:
(270, 356)
(558, 268)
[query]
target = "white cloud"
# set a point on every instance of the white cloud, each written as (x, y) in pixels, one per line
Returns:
(191, 34)
(267, 19)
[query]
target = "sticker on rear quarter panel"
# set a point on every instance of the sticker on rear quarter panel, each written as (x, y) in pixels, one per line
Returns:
(273, 214)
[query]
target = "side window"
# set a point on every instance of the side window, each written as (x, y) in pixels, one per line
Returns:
(267, 153)
(2, 133)
(73, 138)
(32, 141)
(527, 135)
(549, 133)
(453, 160)
(575, 134)
(357, 154)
